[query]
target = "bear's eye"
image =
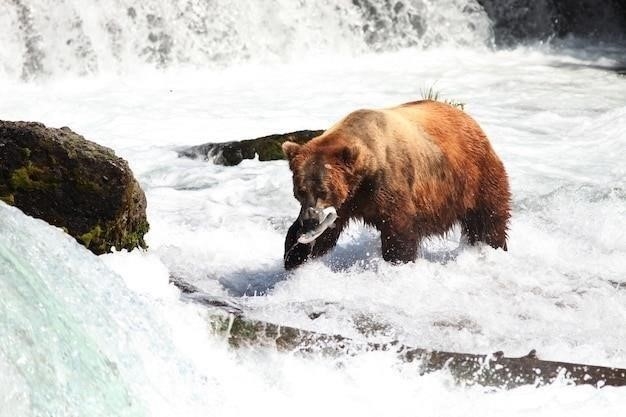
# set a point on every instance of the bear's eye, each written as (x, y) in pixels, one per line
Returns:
(299, 193)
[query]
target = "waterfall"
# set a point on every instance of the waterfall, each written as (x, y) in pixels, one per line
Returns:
(52, 37)
(73, 339)
(80, 37)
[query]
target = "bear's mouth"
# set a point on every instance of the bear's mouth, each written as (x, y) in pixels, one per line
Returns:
(326, 218)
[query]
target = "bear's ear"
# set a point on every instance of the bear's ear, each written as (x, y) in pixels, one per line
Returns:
(290, 149)
(348, 154)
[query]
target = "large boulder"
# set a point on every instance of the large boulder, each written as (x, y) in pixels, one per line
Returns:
(533, 20)
(60, 177)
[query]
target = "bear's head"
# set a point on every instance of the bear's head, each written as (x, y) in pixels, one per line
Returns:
(323, 177)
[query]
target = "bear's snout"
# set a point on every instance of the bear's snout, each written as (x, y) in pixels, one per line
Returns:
(310, 219)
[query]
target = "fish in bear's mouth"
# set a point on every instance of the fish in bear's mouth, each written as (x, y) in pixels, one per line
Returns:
(326, 218)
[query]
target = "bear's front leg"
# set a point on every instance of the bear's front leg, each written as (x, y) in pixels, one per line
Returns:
(295, 252)
(327, 240)
(398, 246)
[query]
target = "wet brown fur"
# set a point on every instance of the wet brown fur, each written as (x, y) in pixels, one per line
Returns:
(411, 171)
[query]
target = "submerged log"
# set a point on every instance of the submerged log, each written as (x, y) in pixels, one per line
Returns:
(268, 148)
(493, 370)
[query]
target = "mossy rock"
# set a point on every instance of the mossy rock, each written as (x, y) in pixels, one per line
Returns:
(268, 148)
(60, 177)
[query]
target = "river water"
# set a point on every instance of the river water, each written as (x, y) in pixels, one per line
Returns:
(102, 336)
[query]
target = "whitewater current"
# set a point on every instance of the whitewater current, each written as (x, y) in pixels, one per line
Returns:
(79, 37)
(82, 335)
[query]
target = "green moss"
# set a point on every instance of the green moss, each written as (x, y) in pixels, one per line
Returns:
(244, 329)
(32, 177)
(84, 184)
(270, 150)
(219, 324)
(91, 236)
(103, 237)
(9, 199)
(21, 180)
(134, 239)
(25, 153)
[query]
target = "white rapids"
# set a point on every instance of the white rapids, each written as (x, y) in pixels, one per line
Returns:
(82, 335)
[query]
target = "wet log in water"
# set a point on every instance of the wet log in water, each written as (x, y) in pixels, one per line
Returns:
(493, 370)
(268, 148)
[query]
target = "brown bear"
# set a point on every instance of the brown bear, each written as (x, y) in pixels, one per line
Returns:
(410, 171)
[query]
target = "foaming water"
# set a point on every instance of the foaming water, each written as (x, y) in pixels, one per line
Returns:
(76, 341)
(559, 130)
(80, 37)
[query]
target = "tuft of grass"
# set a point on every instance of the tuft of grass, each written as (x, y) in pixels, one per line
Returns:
(431, 94)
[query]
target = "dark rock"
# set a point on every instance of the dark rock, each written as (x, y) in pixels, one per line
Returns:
(601, 19)
(519, 20)
(60, 177)
(232, 153)
(541, 20)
